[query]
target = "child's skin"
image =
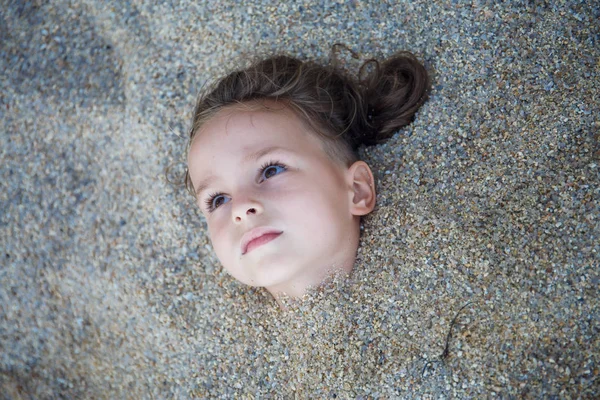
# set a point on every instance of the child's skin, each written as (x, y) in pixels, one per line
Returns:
(312, 200)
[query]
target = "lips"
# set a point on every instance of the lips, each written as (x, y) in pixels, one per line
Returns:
(257, 237)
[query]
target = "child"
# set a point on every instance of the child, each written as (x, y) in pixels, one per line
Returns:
(273, 164)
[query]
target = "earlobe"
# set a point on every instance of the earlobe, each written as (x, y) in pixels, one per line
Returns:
(362, 193)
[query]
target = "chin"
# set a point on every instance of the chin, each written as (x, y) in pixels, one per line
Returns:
(259, 280)
(268, 282)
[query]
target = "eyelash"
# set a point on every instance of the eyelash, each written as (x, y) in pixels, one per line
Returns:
(209, 201)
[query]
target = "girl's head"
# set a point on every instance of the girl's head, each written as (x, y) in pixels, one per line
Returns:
(273, 164)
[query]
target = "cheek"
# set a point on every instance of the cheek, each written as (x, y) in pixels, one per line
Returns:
(217, 237)
(318, 195)
(314, 208)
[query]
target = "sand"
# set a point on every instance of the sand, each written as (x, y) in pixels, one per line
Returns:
(477, 274)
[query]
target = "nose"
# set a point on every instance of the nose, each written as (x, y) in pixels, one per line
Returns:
(245, 209)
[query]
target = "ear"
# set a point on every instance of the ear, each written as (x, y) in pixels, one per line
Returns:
(362, 188)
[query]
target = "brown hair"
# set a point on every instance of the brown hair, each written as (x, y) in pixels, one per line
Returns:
(345, 111)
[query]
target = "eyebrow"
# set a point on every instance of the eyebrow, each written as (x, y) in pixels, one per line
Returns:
(203, 184)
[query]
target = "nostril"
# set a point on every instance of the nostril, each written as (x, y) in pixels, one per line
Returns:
(251, 210)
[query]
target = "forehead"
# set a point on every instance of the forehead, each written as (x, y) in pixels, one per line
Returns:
(243, 129)
(239, 133)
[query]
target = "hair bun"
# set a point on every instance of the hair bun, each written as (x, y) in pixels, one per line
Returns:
(393, 92)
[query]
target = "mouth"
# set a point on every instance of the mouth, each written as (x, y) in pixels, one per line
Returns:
(257, 237)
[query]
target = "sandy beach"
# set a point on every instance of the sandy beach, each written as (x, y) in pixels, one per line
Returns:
(477, 274)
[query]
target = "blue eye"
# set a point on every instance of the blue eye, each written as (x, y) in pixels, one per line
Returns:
(271, 169)
(267, 171)
(216, 200)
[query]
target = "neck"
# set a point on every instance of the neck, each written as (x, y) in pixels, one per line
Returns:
(297, 287)
(315, 276)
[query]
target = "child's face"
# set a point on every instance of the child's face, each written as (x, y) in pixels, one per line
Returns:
(265, 169)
